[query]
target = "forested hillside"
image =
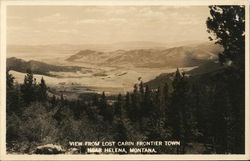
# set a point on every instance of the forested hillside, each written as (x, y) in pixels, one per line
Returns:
(39, 67)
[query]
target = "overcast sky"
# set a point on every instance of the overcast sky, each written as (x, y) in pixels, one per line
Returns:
(39, 25)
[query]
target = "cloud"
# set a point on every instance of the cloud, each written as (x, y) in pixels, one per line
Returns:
(189, 19)
(92, 9)
(18, 29)
(121, 11)
(14, 28)
(89, 21)
(71, 31)
(118, 20)
(148, 12)
(57, 17)
(101, 21)
(15, 18)
(36, 31)
(95, 24)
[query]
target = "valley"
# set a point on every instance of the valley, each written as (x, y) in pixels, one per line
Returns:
(73, 72)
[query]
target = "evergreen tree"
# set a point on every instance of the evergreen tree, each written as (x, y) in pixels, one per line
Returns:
(166, 94)
(9, 80)
(128, 107)
(95, 100)
(141, 89)
(118, 106)
(53, 101)
(227, 24)
(103, 106)
(62, 100)
(42, 91)
(28, 88)
(135, 105)
(13, 99)
(148, 105)
(159, 105)
(178, 111)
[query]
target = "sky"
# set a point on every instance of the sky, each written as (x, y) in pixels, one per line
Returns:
(40, 25)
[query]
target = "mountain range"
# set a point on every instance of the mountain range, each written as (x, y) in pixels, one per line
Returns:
(184, 56)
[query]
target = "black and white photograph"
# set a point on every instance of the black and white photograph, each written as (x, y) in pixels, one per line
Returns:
(136, 80)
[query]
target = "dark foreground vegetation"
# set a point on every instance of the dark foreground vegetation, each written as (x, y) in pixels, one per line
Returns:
(206, 110)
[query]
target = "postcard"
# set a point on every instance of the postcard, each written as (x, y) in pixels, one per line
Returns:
(124, 80)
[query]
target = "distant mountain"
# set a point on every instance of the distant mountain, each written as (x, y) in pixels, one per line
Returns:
(86, 56)
(133, 45)
(37, 67)
(27, 51)
(65, 48)
(184, 56)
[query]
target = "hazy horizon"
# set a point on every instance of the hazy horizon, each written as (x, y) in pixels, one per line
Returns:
(77, 25)
(119, 42)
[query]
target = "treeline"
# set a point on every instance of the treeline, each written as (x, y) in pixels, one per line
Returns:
(205, 113)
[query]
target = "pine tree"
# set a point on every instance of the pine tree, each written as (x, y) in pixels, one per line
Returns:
(13, 99)
(53, 101)
(177, 113)
(141, 89)
(28, 88)
(118, 106)
(62, 100)
(148, 105)
(103, 106)
(9, 80)
(42, 91)
(135, 105)
(227, 24)
(166, 94)
(159, 106)
(127, 105)
(95, 100)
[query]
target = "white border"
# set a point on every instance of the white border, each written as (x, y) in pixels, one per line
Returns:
(2, 78)
(5, 3)
(124, 2)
